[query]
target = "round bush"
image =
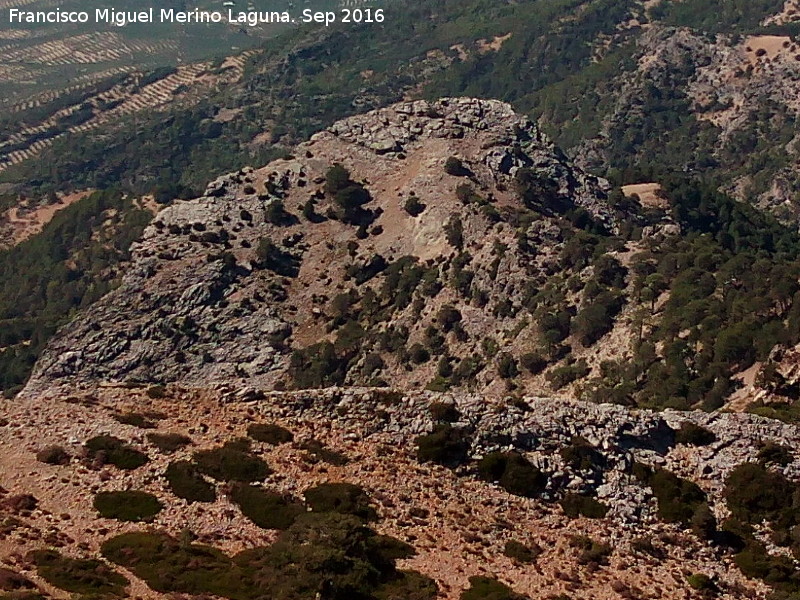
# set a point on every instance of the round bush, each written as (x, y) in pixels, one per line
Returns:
(575, 505)
(127, 505)
(116, 452)
(692, 434)
(513, 472)
(344, 498)
(231, 462)
(53, 455)
(520, 552)
(446, 445)
(265, 508)
(168, 442)
(186, 482)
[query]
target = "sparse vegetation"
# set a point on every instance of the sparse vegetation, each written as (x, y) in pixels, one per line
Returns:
(86, 577)
(520, 552)
(344, 498)
(576, 505)
(590, 551)
(694, 435)
(444, 412)
(231, 463)
(135, 419)
(53, 455)
(446, 445)
(486, 588)
(330, 550)
(317, 451)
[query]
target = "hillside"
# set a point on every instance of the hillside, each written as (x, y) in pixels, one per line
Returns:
(440, 246)
(493, 300)
(164, 486)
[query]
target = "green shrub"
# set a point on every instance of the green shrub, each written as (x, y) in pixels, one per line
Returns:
(11, 581)
(775, 454)
(533, 362)
(520, 552)
(317, 366)
(701, 582)
(408, 585)
(270, 433)
(513, 472)
(272, 258)
(413, 206)
(754, 493)
(507, 366)
(186, 482)
(454, 166)
(692, 434)
(754, 561)
(127, 505)
(90, 578)
(704, 523)
(576, 505)
(156, 392)
(454, 231)
(486, 588)
(264, 508)
(231, 463)
(678, 498)
(116, 452)
(53, 455)
(563, 376)
(344, 498)
(419, 354)
(167, 565)
(446, 446)
(330, 551)
(168, 442)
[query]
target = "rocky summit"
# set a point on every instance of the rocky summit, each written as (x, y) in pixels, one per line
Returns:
(202, 301)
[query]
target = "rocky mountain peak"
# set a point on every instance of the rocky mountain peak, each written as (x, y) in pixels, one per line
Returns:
(430, 216)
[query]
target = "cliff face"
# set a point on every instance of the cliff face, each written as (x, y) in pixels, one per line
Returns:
(202, 302)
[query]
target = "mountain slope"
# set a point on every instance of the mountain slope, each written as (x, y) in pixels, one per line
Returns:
(226, 285)
(448, 245)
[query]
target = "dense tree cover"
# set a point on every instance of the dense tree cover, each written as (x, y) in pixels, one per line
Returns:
(69, 265)
(732, 279)
(717, 15)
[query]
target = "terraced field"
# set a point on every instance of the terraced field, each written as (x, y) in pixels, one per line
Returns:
(70, 78)
(37, 61)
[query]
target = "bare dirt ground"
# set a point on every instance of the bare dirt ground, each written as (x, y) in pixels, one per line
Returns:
(649, 194)
(18, 224)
